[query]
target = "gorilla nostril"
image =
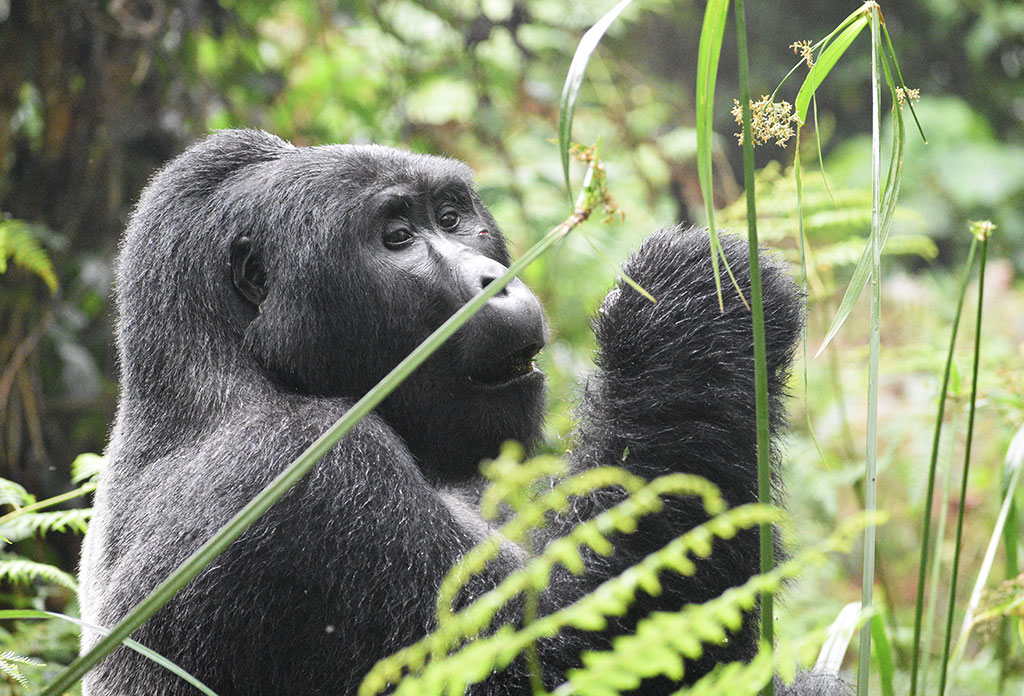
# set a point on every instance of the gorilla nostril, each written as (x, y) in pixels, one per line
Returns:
(487, 280)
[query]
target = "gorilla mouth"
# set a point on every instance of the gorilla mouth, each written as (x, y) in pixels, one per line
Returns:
(509, 368)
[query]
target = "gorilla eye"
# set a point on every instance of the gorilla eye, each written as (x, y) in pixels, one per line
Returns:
(397, 237)
(448, 218)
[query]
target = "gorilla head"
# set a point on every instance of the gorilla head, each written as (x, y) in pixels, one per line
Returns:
(331, 265)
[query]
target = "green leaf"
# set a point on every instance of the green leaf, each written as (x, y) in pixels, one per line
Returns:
(127, 642)
(18, 242)
(86, 466)
(19, 571)
(39, 523)
(826, 61)
(708, 52)
(574, 80)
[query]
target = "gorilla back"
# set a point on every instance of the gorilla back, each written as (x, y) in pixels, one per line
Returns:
(261, 289)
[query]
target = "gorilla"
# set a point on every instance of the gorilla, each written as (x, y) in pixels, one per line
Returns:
(261, 289)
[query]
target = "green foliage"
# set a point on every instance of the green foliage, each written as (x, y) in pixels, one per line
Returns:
(20, 244)
(460, 652)
(17, 570)
(26, 519)
(9, 662)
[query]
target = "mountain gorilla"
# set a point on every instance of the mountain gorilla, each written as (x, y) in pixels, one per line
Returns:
(261, 289)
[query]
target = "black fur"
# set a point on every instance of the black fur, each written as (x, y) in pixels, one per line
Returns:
(257, 301)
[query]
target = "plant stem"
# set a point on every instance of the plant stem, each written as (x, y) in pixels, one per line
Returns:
(871, 448)
(943, 666)
(930, 491)
(84, 489)
(764, 476)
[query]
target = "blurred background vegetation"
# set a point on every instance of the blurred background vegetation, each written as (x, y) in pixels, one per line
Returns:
(95, 94)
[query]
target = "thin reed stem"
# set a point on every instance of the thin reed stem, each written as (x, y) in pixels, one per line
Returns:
(933, 463)
(944, 665)
(871, 448)
(764, 477)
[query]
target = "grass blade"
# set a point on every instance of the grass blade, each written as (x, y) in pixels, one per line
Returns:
(8, 614)
(932, 465)
(1011, 536)
(574, 80)
(708, 52)
(826, 61)
(883, 653)
(944, 665)
(830, 659)
(764, 472)
(1012, 466)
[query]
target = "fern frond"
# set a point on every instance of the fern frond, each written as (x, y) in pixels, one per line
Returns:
(14, 494)
(20, 571)
(9, 662)
(12, 671)
(87, 466)
(21, 245)
(612, 598)
(39, 523)
(848, 252)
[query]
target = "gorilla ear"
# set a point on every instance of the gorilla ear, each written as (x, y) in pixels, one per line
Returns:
(247, 272)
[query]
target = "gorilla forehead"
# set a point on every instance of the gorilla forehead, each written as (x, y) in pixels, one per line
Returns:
(378, 165)
(341, 181)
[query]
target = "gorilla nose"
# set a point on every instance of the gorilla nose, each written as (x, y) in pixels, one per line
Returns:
(509, 329)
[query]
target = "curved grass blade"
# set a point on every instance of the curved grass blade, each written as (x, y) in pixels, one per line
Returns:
(890, 195)
(830, 659)
(899, 76)
(574, 80)
(712, 30)
(1012, 466)
(127, 642)
(882, 649)
(826, 61)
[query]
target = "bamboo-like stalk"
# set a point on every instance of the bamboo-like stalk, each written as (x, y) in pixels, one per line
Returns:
(234, 528)
(764, 477)
(871, 448)
(944, 665)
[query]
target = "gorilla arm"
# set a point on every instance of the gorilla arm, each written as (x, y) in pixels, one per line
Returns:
(674, 392)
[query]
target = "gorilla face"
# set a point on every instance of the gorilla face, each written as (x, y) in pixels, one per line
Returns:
(395, 245)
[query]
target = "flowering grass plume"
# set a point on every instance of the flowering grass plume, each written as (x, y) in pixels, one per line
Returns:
(769, 120)
(803, 49)
(907, 95)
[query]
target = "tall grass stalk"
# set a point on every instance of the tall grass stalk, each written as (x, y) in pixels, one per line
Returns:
(234, 528)
(926, 522)
(935, 572)
(764, 475)
(871, 448)
(944, 665)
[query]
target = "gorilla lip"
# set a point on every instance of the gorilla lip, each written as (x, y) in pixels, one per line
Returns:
(512, 367)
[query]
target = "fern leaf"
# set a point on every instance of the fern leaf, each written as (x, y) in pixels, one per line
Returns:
(21, 245)
(39, 523)
(20, 571)
(14, 494)
(86, 466)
